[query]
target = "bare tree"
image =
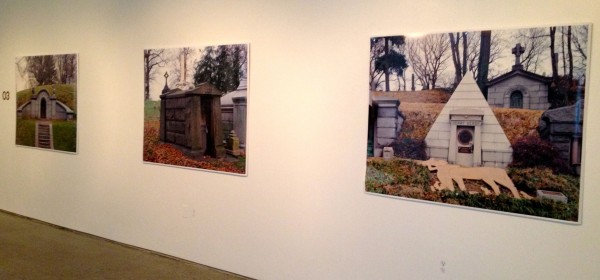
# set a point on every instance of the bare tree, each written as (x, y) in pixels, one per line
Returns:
(466, 38)
(476, 43)
(66, 68)
(570, 51)
(401, 78)
(485, 46)
(178, 63)
(21, 65)
(553, 54)
(374, 75)
(536, 42)
(567, 64)
(579, 40)
(458, 60)
(562, 43)
(557, 95)
(152, 59)
(428, 56)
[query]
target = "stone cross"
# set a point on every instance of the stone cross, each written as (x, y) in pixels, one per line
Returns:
(166, 88)
(518, 50)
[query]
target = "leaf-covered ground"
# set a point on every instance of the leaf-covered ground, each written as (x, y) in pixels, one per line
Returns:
(155, 151)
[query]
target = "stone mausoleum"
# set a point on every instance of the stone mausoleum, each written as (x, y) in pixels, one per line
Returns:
(385, 124)
(519, 88)
(563, 127)
(45, 106)
(191, 119)
(233, 117)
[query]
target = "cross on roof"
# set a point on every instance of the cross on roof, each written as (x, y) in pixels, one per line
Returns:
(518, 50)
(166, 88)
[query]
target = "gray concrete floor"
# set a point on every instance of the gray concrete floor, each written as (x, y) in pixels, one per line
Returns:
(30, 249)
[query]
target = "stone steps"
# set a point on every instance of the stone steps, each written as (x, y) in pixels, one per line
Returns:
(44, 139)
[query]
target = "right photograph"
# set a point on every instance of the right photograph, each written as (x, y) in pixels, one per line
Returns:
(490, 119)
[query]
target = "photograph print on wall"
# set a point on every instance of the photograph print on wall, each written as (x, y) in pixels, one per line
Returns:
(489, 119)
(195, 107)
(46, 88)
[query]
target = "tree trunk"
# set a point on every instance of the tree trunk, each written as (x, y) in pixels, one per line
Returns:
(554, 58)
(556, 92)
(570, 52)
(386, 70)
(455, 58)
(146, 76)
(564, 57)
(484, 60)
(465, 48)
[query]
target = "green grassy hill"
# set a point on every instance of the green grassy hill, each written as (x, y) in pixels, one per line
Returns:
(66, 94)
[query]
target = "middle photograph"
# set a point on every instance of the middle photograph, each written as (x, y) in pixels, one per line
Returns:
(195, 101)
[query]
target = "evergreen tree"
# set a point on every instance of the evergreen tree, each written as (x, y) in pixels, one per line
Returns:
(206, 67)
(222, 67)
(386, 59)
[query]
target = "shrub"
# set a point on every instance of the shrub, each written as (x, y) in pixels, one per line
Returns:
(402, 173)
(25, 132)
(531, 151)
(410, 149)
(505, 203)
(518, 123)
(532, 179)
(376, 179)
(65, 135)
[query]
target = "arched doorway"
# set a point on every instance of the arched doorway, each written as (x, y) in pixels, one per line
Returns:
(43, 106)
(516, 99)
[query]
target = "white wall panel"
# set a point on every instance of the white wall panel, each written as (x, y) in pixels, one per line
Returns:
(301, 213)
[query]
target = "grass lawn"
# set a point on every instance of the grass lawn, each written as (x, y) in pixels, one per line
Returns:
(66, 94)
(25, 132)
(65, 135)
(404, 178)
(151, 110)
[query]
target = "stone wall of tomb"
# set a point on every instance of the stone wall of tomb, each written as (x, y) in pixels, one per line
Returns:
(535, 93)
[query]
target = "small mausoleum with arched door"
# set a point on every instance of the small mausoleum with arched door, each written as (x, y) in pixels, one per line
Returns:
(43, 105)
(518, 88)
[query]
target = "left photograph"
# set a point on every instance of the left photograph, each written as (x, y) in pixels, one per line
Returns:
(46, 87)
(195, 107)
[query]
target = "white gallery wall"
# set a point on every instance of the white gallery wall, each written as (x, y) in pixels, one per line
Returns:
(301, 213)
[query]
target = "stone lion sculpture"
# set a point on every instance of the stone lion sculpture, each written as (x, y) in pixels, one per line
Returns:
(492, 176)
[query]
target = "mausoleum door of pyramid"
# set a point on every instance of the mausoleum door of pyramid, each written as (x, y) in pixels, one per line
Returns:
(465, 126)
(466, 132)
